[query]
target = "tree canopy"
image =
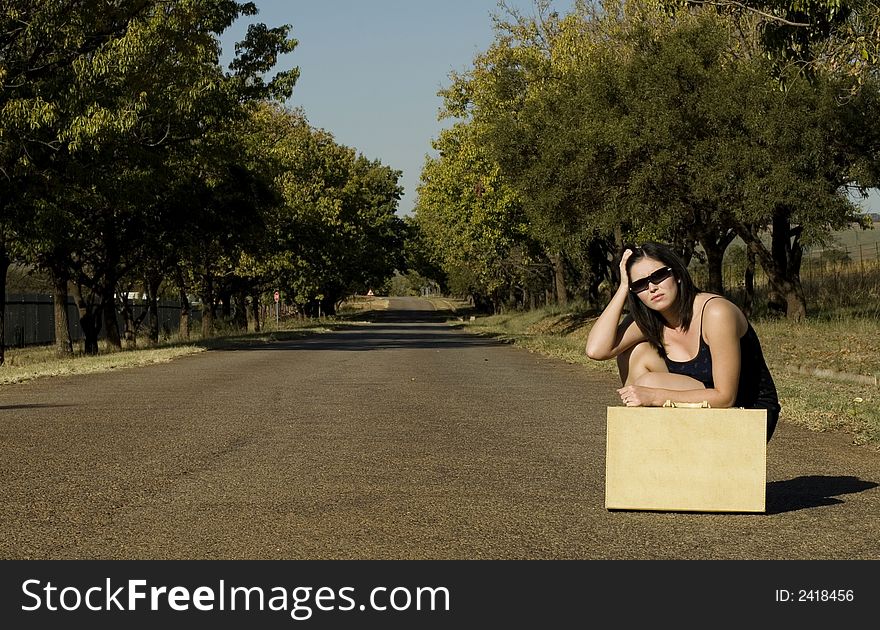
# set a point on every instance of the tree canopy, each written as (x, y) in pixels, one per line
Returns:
(129, 156)
(622, 123)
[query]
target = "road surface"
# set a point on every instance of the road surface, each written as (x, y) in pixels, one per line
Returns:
(401, 438)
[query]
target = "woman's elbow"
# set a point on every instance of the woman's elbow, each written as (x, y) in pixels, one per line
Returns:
(725, 401)
(596, 353)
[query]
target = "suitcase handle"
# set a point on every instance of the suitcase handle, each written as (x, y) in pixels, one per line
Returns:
(687, 405)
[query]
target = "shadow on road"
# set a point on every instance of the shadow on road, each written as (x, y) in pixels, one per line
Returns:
(405, 316)
(811, 491)
(375, 330)
(30, 406)
(374, 337)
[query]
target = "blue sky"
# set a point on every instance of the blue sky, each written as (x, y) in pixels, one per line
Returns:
(370, 70)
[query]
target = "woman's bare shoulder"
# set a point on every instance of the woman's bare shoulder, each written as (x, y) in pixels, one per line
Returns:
(718, 311)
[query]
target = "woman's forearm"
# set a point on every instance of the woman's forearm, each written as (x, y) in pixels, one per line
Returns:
(716, 398)
(603, 336)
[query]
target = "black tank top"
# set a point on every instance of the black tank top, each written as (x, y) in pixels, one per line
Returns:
(756, 388)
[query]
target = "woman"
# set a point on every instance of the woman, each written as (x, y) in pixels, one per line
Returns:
(679, 343)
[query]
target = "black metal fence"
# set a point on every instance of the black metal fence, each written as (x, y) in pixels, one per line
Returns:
(30, 319)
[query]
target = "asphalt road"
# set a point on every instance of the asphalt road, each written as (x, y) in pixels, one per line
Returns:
(401, 438)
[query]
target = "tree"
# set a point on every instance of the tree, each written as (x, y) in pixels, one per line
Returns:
(626, 123)
(418, 255)
(334, 229)
(472, 220)
(832, 37)
(41, 43)
(559, 104)
(125, 86)
(803, 157)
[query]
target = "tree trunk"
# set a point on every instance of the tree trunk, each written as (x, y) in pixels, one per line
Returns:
(241, 319)
(129, 327)
(255, 311)
(183, 326)
(207, 320)
(207, 297)
(111, 324)
(600, 252)
(4, 268)
(776, 302)
(152, 284)
(559, 279)
(715, 280)
(63, 343)
(784, 281)
(749, 281)
(328, 306)
(89, 321)
(795, 304)
(714, 242)
(788, 254)
(225, 304)
(59, 273)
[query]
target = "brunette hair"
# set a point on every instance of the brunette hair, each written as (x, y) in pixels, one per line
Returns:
(650, 322)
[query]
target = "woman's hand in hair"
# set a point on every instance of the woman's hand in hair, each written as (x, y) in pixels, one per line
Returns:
(609, 336)
(624, 276)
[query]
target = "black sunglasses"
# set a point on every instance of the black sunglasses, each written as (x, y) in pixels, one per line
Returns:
(637, 286)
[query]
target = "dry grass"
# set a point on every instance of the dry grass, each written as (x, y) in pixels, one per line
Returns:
(449, 304)
(845, 345)
(360, 303)
(34, 363)
(824, 405)
(24, 364)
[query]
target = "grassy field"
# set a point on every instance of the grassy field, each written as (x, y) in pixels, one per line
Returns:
(857, 242)
(848, 349)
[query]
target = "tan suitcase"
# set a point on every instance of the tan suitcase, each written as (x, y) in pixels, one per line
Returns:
(680, 459)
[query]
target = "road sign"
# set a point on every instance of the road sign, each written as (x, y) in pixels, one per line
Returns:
(277, 296)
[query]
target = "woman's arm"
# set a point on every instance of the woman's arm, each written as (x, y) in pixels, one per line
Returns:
(609, 336)
(721, 328)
